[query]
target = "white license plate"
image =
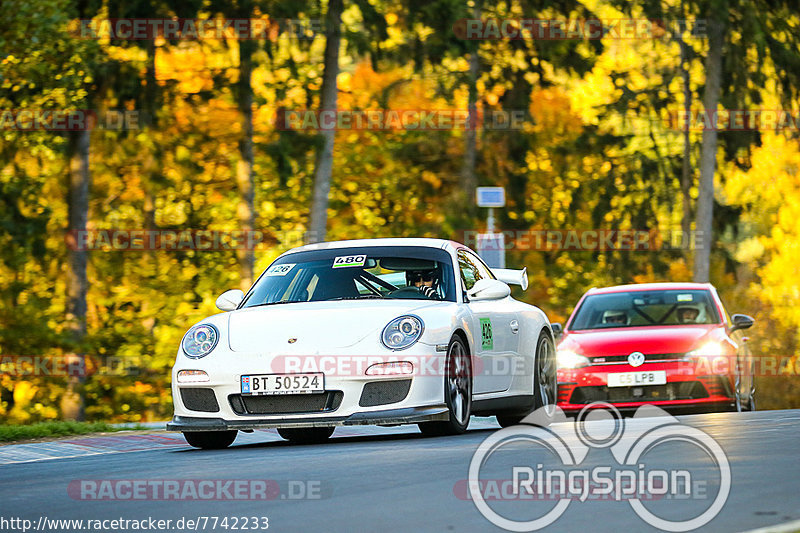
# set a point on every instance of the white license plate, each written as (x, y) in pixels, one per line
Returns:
(632, 379)
(256, 385)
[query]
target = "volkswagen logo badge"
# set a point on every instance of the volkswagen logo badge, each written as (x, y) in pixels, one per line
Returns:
(636, 359)
(292, 340)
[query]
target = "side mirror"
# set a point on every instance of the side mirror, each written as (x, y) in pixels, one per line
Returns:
(488, 289)
(230, 300)
(557, 329)
(741, 322)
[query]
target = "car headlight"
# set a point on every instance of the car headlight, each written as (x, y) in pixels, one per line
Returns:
(200, 341)
(569, 359)
(402, 332)
(708, 349)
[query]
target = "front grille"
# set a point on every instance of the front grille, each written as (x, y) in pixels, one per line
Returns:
(383, 392)
(683, 390)
(717, 385)
(286, 403)
(199, 399)
(648, 358)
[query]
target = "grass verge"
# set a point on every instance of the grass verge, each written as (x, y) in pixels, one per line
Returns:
(10, 433)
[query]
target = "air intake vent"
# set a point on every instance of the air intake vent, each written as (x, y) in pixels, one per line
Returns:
(383, 392)
(684, 390)
(199, 399)
(285, 404)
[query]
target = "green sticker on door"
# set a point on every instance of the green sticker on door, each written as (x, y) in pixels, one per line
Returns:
(487, 342)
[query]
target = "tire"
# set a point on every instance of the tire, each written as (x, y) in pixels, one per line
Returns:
(545, 385)
(738, 403)
(306, 435)
(210, 440)
(457, 392)
(751, 405)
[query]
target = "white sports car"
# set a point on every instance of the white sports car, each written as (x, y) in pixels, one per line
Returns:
(379, 331)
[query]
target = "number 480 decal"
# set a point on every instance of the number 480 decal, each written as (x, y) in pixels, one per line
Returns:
(344, 261)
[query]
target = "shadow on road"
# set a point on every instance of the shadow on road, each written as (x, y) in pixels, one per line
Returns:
(347, 439)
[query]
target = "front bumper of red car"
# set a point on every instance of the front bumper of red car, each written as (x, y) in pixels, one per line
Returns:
(681, 389)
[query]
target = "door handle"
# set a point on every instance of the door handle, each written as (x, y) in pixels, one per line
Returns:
(514, 326)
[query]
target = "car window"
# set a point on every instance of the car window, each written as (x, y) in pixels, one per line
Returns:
(343, 274)
(471, 272)
(484, 270)
(645, 308)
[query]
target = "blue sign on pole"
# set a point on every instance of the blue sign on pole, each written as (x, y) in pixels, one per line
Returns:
(490, 196)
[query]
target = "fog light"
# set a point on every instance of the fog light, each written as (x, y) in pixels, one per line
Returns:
(192, 376)
(390, 369)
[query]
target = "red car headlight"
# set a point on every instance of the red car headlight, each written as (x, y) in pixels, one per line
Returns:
(568, 359)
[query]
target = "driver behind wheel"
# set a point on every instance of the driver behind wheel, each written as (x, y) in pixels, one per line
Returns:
(689, 314)
(424, 280)
(614, 316)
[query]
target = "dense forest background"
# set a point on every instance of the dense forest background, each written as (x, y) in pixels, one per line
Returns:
(599, 148)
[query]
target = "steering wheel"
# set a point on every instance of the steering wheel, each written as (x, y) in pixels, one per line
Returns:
(406, 292)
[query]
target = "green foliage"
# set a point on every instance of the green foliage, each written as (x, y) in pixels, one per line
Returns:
(56, 429)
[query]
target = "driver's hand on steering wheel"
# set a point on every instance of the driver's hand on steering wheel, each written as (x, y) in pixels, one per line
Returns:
(428, 292)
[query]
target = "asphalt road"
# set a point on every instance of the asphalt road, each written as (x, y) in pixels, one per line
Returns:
(385, 479)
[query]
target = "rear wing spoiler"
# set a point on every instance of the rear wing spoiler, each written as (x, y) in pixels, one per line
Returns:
(512, 277)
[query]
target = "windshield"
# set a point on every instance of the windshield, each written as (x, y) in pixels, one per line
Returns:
(645, 308)
(356, 273)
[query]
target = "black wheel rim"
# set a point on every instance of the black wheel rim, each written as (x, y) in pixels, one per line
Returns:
(458, 383)
(545, 362)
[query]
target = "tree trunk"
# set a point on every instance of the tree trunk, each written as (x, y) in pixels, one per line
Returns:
(469, 180)
(324, 167)
(686, 174)
(72, 403)
(244, 168)
(708, 161)
(152, 162)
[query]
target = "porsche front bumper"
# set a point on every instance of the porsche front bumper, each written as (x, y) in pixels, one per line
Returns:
(389, 417)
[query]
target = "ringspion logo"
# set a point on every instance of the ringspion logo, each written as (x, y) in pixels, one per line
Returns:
(633, 475)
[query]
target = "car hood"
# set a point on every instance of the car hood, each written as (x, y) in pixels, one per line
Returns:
(316, 326)
(623, 341)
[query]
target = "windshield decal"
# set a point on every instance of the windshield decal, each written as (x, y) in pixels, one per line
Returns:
(280, 270)
(344, 261)
(684, 297)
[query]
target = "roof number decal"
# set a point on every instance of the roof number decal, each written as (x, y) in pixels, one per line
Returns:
(345, 261)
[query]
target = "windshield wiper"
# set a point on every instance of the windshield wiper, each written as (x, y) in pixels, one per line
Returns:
(359, 297)
(273, 303)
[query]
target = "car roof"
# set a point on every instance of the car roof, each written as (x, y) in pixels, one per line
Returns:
(356, 243)
(665, 286)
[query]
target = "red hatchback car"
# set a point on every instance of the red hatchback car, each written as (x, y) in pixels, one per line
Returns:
(667, 344)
